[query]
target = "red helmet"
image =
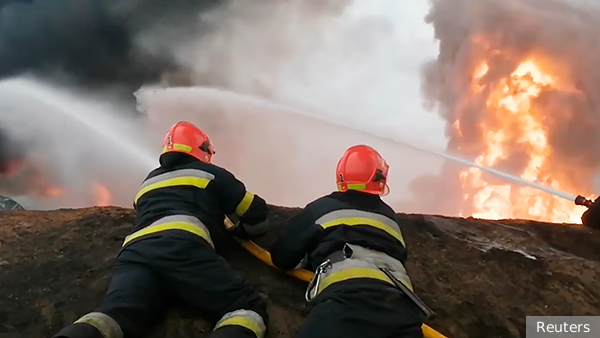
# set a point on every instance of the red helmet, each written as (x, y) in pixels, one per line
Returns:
(185, 137)
(362, 168)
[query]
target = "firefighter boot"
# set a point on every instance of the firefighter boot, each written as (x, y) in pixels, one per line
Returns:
(92, 325)
(79, 330)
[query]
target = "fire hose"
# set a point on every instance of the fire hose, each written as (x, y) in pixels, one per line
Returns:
(301, 274)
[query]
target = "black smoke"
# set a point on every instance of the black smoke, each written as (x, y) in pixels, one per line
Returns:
(87, 42)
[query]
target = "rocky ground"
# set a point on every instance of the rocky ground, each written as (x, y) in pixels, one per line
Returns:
(481, 277)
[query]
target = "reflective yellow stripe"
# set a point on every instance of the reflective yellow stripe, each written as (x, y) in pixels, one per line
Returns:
(105, 324)
(351, 186)
(152, 229)
(180, 147)
(351, 221)
(353, 273)
(357, 186)
(243, 322)
(182, 177)
(353, 217)
(244, 204)
(198, 182)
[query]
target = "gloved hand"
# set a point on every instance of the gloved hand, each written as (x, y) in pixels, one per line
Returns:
(239, 231)
(245, 231)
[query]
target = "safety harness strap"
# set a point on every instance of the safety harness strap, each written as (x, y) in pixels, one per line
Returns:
(355, 262)
(175, 222)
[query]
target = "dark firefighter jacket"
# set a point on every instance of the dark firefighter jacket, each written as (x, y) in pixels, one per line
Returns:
(591, 217)
(326, 224)
(183, 185)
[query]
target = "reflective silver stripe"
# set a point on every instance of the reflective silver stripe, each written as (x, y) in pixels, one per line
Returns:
(244, 318)
(178, 218)
(178, 173)
(338, 217)
(173, 222)
(107, 326)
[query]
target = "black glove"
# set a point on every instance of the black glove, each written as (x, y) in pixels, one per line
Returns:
(239, 231)
(245, 231)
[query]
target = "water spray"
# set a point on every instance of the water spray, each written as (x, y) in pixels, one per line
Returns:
(91, 118)
(578, 200)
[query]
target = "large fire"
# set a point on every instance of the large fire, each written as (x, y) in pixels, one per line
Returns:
(28, 178)
(512, 121)
(518, 86)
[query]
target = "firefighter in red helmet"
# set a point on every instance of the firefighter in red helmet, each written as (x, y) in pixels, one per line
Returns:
(173, 251)
(351, 240)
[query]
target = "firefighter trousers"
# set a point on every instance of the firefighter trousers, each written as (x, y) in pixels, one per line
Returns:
(362, 308)
(149, 272)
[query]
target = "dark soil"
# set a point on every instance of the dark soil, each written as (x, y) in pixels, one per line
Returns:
(481, 277)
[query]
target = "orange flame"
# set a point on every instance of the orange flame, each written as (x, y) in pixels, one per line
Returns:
(53, 192)
(102, 196)
(511, 120)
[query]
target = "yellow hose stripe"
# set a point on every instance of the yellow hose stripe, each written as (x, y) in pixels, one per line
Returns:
(244, 204)
(192, 228)
(243, 322)
(351, 221)
(198, 182)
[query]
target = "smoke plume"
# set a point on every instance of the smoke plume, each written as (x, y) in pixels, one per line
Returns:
(90, 45)
(352, 63)
(518, 86)
(88, 42)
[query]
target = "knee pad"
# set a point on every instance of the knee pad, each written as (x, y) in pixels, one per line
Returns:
(92, 325)
(248, 319)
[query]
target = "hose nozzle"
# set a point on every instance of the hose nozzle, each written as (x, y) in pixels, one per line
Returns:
(580, 200)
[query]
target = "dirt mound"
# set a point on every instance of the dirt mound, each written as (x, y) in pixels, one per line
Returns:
(481, 277)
